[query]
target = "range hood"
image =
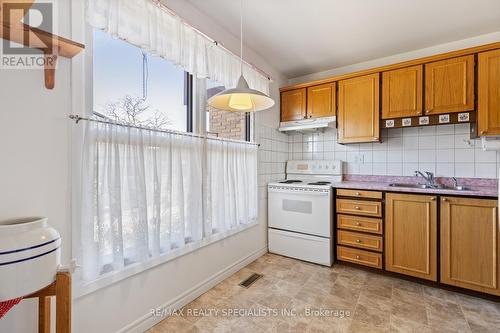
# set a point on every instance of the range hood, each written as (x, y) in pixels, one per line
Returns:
(306, 125)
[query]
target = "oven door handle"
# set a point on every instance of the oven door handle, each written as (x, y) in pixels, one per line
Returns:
(299, 192)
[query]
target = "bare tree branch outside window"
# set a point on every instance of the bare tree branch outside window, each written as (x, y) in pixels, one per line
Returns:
(134, 111)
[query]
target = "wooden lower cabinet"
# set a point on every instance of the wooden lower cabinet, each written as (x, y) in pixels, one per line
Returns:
(365, 258)
(360, 240)
(470, 250)
(411, 235)
(359, 207)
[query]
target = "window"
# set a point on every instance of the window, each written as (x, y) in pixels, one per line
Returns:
(147, 201)
(226, 124)
(137, 88)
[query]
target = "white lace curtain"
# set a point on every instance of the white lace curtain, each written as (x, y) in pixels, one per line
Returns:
(145, 24)
(147, 193)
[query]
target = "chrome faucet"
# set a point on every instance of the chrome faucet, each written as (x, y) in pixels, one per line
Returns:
(429, 177)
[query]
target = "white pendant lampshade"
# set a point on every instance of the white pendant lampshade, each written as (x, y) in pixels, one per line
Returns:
(241, 99)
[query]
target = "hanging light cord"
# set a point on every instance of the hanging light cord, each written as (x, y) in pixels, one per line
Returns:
(241, 37)
(145, 76)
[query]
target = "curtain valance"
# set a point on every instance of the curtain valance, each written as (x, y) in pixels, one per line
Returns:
(145, 24)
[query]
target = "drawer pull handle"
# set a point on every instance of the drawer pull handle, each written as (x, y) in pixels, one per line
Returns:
(358, 257)
(358, 194)
(358, 241)
(358, 224)
(356, 207)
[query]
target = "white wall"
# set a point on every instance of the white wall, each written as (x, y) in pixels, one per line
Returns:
(437, 49)
(35, 153)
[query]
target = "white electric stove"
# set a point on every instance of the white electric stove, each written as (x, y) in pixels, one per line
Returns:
(301, 213)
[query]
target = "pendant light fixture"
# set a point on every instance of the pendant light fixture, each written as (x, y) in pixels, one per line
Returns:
(241, 98)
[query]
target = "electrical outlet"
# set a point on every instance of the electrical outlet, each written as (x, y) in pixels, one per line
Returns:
(359, 158)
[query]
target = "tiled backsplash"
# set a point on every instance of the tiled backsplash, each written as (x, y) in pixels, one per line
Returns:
(273, 154)
(445, 150)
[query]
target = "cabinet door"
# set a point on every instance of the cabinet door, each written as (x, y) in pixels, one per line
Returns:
(488, 89)
(321, 100)
(358, 109)
(293, 104)
(469, 244)
(402, 92)
(410, 235)
(449, 85)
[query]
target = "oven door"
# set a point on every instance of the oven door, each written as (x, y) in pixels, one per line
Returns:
(302, 210)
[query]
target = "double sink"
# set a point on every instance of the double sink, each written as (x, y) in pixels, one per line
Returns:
(433, 186)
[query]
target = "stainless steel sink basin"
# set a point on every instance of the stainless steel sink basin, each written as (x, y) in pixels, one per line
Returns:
(411, 185)
(435, 187)
(457, 188)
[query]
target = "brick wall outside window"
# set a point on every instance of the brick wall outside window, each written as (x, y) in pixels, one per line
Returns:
(225, 124)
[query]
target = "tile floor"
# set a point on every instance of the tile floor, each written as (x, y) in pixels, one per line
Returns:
(352, 300)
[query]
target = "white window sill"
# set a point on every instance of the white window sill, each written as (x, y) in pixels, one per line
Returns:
(81, 289)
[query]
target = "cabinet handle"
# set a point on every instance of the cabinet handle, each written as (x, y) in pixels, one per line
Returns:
(356, 207)
(358, 241)
(433, 198)
(483, 132)
(419, 112)
(358, 194)
(444, 199)
(427, 111)
(358, 224)
(358, 257)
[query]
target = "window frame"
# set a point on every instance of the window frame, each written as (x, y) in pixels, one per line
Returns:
(188, 87)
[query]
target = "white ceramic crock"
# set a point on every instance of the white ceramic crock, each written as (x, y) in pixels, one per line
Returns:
(29, 256)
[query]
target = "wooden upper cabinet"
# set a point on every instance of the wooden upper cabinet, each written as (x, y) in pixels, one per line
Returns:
(321, 101)
(358, 109)
(402, 92)
(470, 251)
(293, 104)
(449, 85)
(488, 87)
(410, 235)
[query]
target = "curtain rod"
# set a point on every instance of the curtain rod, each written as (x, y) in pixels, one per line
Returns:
(219, 44)
(77, 119)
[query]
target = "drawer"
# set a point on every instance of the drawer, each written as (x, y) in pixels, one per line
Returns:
(359, 193)
(361, 257)
(362, 241)
(359, 207)
(359, 223)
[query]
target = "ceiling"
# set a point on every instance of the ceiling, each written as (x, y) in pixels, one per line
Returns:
(300, 37)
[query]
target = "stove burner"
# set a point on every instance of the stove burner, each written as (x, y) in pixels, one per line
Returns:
(319, 183)
(290, 181)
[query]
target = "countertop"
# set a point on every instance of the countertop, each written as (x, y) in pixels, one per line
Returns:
(480, 187)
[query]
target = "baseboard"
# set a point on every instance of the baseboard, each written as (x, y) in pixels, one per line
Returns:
(147, 321)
